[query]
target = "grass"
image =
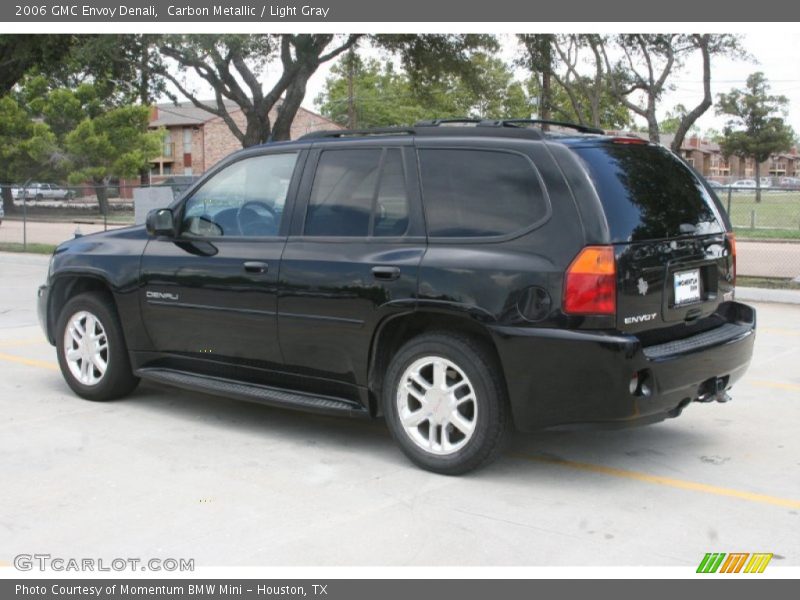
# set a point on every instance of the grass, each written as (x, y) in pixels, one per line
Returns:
(777, 210)
(745, 233)
(767, 282)
(31, 248)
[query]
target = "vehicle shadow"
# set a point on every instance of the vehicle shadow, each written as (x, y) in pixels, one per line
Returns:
(640, 448)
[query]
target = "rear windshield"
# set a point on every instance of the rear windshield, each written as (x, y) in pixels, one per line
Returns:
(648, 193)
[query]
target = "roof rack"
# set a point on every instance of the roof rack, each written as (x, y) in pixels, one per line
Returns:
(454, 121)
(340, 133)
(564, 124)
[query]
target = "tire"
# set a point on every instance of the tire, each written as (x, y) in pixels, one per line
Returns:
(88, 381)
(436, 443)
(38, 197)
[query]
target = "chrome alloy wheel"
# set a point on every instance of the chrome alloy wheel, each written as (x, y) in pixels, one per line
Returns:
(437, 406)
(86, 348)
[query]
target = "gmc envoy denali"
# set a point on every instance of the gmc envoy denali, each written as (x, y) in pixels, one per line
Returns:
(454, 278)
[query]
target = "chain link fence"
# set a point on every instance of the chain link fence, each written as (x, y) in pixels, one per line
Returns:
(45, 214)
(39, 215)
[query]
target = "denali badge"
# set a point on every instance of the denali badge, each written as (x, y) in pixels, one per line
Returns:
(642, 286)
(160, 295)
(640, 318)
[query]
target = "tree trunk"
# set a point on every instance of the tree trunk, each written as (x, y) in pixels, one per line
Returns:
(758, 181)
(8, 200)
(652, 123)
(101, 192)
(691, 117)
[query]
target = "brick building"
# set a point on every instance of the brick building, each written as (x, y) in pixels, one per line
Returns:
(706, 156)
(195, 139)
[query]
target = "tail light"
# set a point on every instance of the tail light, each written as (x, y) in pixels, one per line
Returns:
(590, 286)
(732, 241)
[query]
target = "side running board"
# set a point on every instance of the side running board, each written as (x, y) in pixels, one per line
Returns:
(253, 393)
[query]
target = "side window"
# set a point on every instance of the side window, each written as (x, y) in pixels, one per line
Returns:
(246, 199)
(359, 192)
(476, 193)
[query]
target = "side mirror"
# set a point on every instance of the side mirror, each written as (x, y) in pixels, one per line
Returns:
(160, 222)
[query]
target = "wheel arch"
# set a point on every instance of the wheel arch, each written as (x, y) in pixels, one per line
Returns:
(396, 330)
(66, 287)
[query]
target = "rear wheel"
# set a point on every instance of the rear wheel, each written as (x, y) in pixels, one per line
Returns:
(91, 349)
(445, 403)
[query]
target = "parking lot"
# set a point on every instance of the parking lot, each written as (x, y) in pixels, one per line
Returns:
(173, 473)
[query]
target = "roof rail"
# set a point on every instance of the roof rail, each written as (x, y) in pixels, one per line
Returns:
(339, 133)
(518, 122)
(438, 122)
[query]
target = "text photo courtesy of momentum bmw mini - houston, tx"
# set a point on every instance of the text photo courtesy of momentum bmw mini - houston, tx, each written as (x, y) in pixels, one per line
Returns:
(504, 302)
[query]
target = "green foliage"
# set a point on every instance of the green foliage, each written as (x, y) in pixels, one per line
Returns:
(384, 96)
(611, 113)
(756, 127)
(115, 143)
(27, 148)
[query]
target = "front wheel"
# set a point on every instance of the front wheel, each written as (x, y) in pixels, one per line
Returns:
(445, 403)
(91, 349)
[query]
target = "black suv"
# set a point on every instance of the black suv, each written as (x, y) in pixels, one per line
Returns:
(452, 279)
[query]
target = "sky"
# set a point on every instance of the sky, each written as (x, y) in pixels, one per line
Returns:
(773, 53)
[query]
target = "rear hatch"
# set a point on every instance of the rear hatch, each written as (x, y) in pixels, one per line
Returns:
(674, 255)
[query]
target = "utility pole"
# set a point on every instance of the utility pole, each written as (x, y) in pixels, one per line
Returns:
(351, 75)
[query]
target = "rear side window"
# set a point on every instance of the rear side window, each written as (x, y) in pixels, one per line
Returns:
(360, 193)
(648, 193)
(476, 193)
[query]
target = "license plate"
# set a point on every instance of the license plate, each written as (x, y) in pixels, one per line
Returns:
(687, 286)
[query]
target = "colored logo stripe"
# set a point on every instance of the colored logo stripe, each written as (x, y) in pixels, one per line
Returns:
(734, 562)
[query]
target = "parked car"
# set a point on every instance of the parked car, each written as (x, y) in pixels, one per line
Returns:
(789, 182)
(744, 184)
(44, 191)
(716, 185)
(453, 280)
(2, 213)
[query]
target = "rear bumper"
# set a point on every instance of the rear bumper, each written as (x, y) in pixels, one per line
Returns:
(558, 377)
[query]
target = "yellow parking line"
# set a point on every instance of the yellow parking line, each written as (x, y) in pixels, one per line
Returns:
(792, 387)
(665, 481)
(26, 342)
(29, 362)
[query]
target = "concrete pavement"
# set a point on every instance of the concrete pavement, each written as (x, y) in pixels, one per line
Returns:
(173, 473)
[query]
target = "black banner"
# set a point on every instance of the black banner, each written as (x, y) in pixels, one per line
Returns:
(382, 589)
(359, 11)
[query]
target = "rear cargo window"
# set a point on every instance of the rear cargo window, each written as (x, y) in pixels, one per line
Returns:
(476, 193)
(647, 193)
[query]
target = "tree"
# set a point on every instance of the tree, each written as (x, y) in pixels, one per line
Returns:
(639, 79)
(382, 96)
(27, 148)
(756, 128)
(673, 119)
(116, 143)
(19, 54)
(233, 65)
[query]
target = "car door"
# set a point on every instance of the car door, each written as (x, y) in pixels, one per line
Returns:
(352, 259)
(209, 295)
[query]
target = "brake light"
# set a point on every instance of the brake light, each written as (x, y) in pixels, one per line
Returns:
(590, 285)
(732, 240)
(629, 141)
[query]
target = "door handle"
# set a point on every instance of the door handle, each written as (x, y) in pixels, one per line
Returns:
(252, 266)
(386, 273)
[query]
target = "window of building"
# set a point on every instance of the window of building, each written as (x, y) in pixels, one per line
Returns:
(187, 140)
